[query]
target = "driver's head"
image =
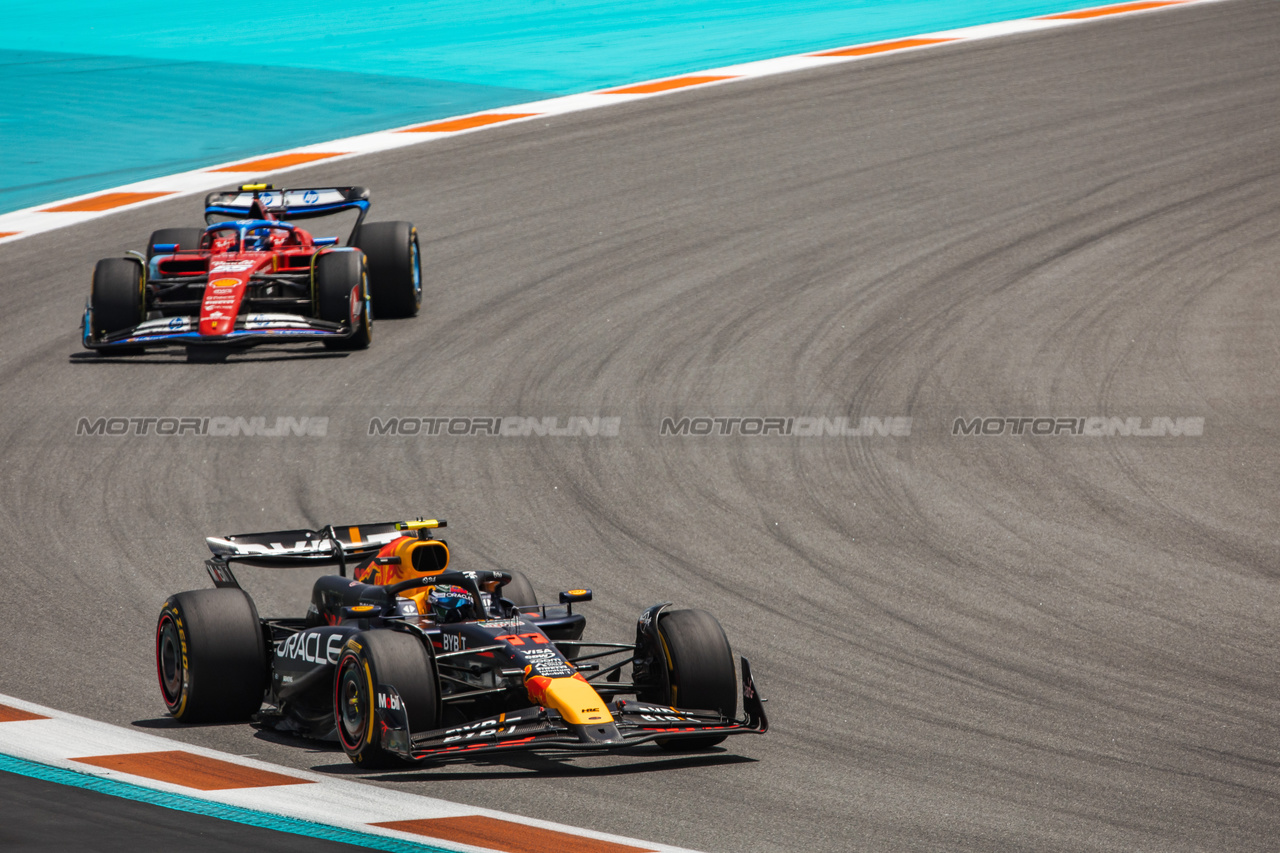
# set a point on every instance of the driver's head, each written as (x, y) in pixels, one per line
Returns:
(450, 603)
(259, 239)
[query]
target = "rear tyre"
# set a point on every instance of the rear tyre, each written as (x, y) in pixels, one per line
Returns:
(188, 239)
(519, 591)
(118, 295)
(382, 657)
(700, 673)
(211, 656)
(342, 291)
(395, 268)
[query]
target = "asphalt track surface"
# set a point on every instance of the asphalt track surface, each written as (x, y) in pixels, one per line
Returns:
(969, 643)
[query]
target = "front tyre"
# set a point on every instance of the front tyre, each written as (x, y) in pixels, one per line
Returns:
(118, 296)
(700, 673)
(519, 591)
(211, 656)
(342, 296)
(395, 267)
(382, 657)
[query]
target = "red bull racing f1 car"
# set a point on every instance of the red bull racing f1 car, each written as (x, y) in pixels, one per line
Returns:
(253, 276)
(402, 659)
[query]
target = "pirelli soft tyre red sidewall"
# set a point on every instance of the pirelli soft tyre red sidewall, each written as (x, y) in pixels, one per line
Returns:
(382, 657)
(211, 656)
(700, 674)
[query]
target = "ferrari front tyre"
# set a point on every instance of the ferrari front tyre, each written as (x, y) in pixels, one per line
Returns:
(118, 295)
(342, 288)
(395, 268)
(211, 656)
(700, 674)
(392, 658)
(188, 239)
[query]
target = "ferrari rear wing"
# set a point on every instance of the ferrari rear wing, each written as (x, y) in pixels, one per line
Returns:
(288, 204)
(304, 203)
(330, 546)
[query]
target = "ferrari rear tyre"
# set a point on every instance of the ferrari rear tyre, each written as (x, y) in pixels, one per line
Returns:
(188, 239)
(519, 591)
(396, 659)
(211, 656)
(342, 289)
(118, 296)
(700, 672)
(395, 268)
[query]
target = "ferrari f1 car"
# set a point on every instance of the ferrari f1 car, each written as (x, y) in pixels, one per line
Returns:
(411, 661)
(252, 276)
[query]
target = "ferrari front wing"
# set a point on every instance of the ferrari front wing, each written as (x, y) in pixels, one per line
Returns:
(249, 330)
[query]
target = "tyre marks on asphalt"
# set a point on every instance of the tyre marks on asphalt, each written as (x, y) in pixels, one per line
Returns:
(1014, 641)
(38, 219)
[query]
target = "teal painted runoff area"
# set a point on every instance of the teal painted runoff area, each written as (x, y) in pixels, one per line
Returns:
(94, 95)
(195, 805)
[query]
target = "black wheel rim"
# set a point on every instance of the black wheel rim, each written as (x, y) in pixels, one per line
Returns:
(353, 705)
(169, 658)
